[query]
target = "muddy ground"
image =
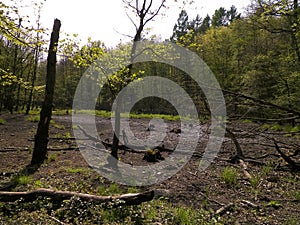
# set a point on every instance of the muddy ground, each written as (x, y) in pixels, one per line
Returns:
(271, 196)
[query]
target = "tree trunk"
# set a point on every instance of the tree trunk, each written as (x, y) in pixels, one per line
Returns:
(114, 149)
(41, 137)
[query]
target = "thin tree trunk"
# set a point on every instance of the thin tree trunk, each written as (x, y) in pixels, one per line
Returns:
(29, 102)
(41, 137)
(114, 149)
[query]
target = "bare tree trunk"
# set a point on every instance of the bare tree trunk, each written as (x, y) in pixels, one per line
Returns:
(42, 134)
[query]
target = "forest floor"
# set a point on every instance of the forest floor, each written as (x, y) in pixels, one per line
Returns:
(270, 196)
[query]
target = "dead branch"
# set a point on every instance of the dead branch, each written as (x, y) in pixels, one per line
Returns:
(286, 158)
(127, 147)
(238, 148)
(223, 209)
(270, 120)
(294, 112)
(126, 199)
(250, 204)
(56, 220)
(52, 149)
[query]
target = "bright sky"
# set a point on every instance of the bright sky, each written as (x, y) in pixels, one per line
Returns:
(106, 20)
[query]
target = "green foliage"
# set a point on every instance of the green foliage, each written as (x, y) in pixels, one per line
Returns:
(238, 51)
(38, 183)
(230, 176)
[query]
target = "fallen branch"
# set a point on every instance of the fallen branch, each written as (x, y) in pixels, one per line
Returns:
(223, 209)
(250, 204)
(126, 199)
(57, 220)
(237, 145)
(286, 158)
(52, 149)
(128, 147)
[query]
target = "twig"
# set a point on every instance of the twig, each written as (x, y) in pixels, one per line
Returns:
(250, 204)
(223, 209)
(56, 220)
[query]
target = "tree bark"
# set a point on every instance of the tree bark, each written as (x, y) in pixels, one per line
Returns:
(42, 134)
(126, 199)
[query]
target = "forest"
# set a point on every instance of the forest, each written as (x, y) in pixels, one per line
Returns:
(255, 57)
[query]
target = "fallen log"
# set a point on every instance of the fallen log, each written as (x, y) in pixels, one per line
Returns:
(125, 199)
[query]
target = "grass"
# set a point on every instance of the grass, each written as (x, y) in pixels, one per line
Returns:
(254, 181)
(2, 121)
(111, 190)
(58, 126)
(22, 179)
(34, 119)
(266, 170)
(230, 176)
(296, 195)
(107, 114)
(67, 135)
(34, 115)
(52, 157)
(275, 204)
(54, 112)
(77, 170)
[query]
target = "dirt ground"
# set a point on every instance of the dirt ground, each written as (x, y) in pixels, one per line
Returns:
(271, 196)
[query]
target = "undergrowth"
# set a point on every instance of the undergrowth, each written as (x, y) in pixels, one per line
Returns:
(76, 211)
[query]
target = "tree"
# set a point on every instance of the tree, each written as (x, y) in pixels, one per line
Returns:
(42, 134)
(19, 43)
(37, 49)
(223, 17)
(279, 17)
(205, 25)
(232, 14)
(145, 13)
(219, 18)
(181, 28)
